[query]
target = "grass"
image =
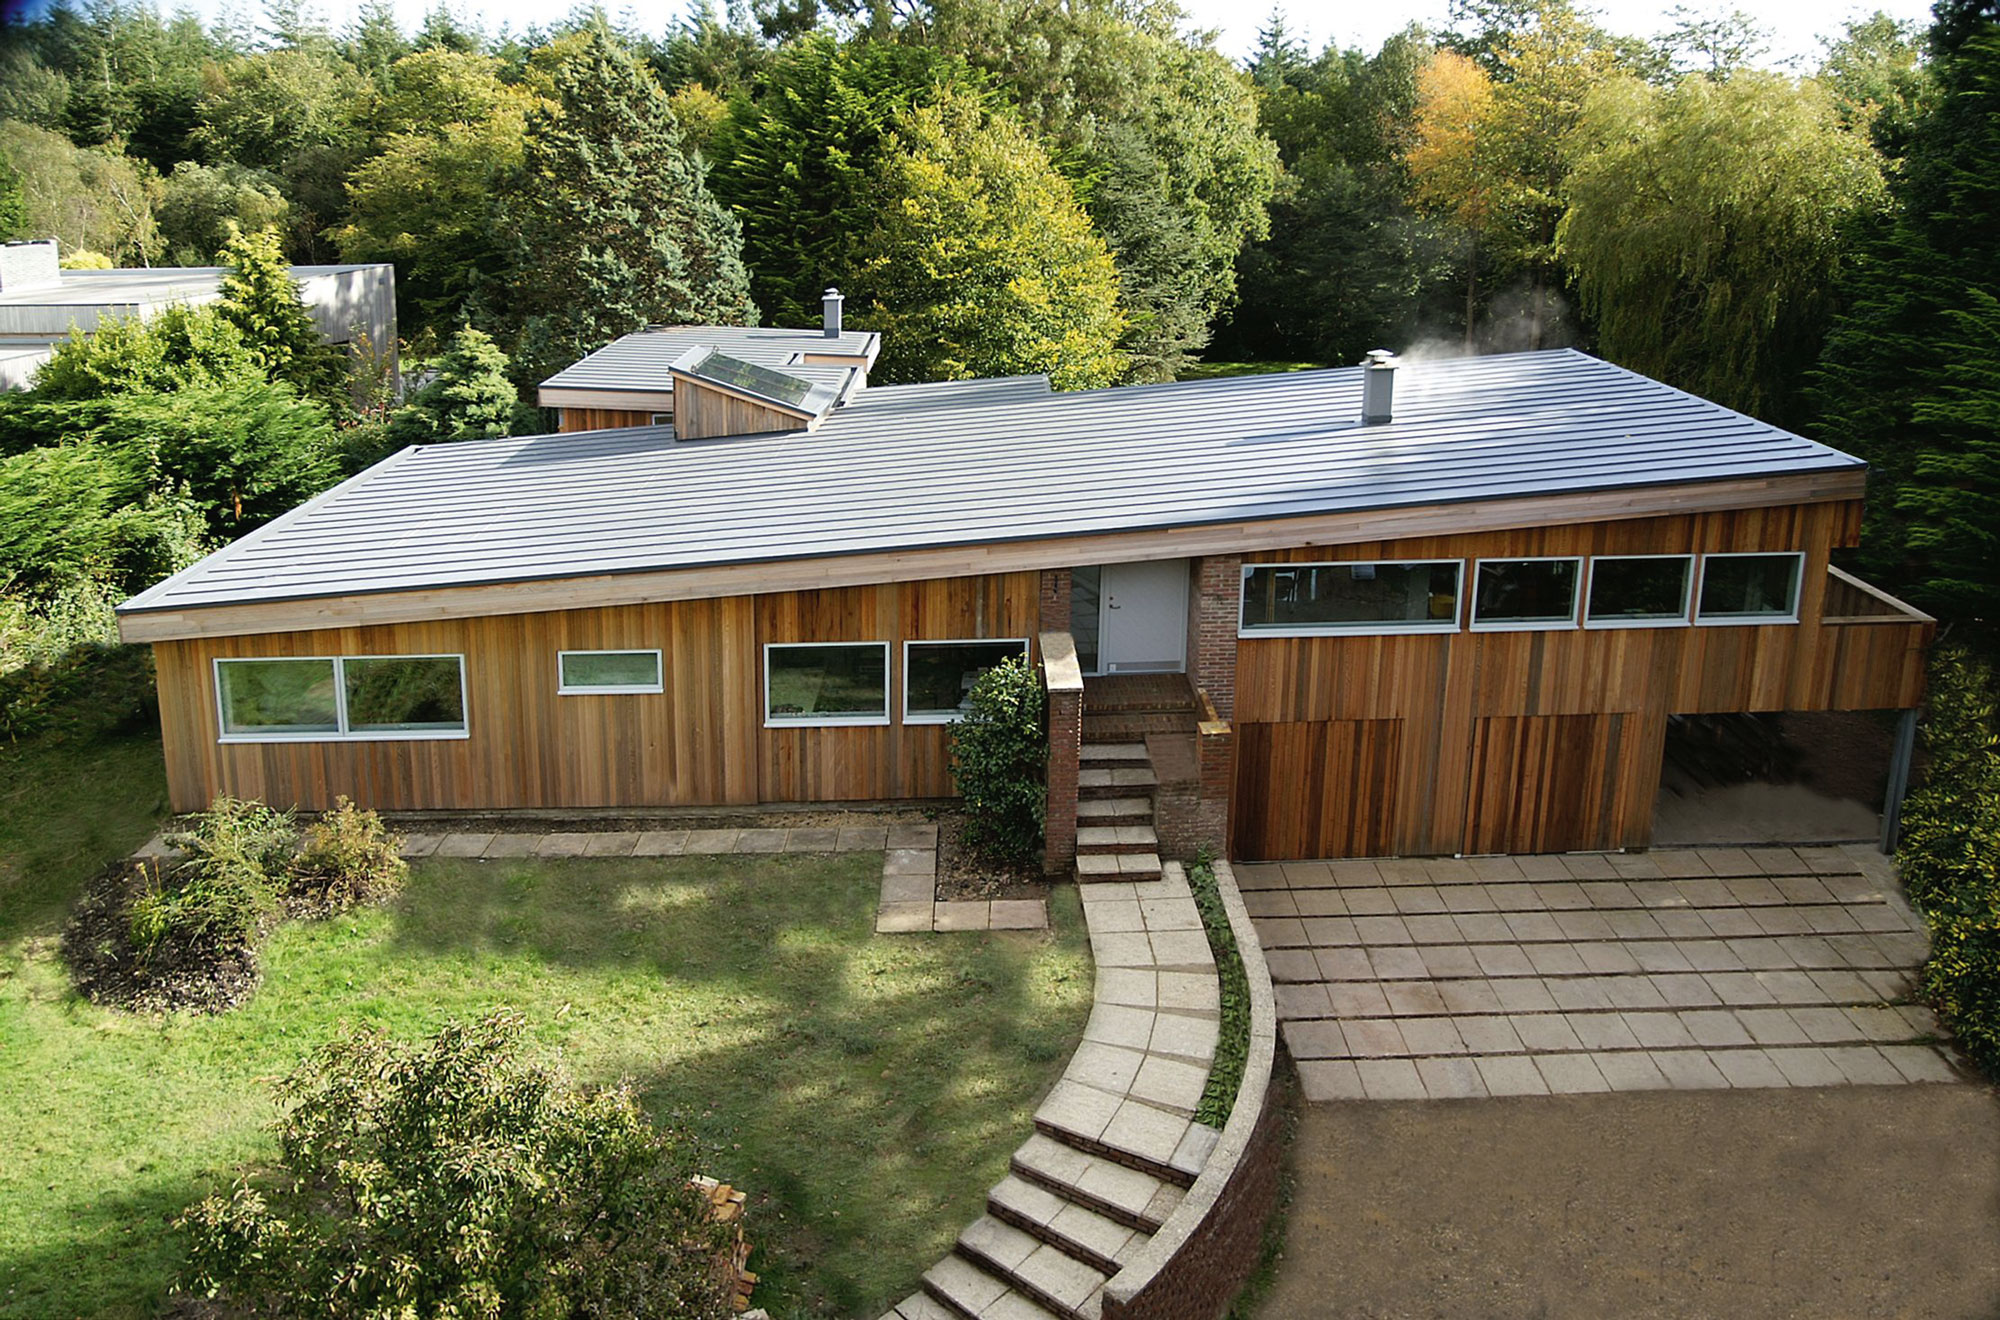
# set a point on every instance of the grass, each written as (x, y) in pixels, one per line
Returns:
(1217, 370)
(865, 1091)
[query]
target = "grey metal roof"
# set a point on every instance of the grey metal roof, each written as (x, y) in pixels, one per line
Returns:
(990, 461)
(641, 361)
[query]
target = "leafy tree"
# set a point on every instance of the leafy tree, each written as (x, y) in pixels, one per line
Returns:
(451, 138)
(83, 512)
(471, 397)
(999, 761)
(1876, 73)
(1453, 160)
(260, 298)
(203, 206)
(288, 111)
(177, 348)
(981, 263)
(1127, 103)
(616, 226)
(454, 1176)
(83, 198)
(796, 164)
(1705, 225)
(1888, 388)
(1713, 43)
(722, 52)
(13, 206)
(374, 42)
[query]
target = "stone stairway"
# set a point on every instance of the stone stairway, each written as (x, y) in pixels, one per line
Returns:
(1115, 1144)
(1114, 813)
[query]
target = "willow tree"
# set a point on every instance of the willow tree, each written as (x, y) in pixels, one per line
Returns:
(1704, 229)
(981, 262)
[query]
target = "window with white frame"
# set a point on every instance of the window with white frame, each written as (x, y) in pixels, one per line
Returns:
(1525, 593)
(1303, 599)
(938, 676)
(1639, 591)
(604, 673)
(1750, 588)
(331, 697)
(826, 683)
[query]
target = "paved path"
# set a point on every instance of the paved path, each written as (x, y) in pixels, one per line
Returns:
(1835, 1202)
(1116, 1143)
(1711, 968)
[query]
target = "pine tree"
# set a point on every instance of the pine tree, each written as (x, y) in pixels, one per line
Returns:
(616, 226)
(260, 298)
(1893, 385)
(470, 399)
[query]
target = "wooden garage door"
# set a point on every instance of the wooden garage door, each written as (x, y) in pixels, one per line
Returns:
(1555, 783)
(1320, 788)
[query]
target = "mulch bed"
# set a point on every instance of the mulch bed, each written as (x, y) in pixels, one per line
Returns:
(961, 874)
(196, 974)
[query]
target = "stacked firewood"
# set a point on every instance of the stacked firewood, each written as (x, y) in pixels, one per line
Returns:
(725, 1206)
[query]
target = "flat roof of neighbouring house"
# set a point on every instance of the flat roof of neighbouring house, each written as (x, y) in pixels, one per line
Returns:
(641, 362)
(136, 286)
(982, 463)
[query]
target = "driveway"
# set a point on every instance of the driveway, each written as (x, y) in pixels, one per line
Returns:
(1718, 968)
(1852, 1201)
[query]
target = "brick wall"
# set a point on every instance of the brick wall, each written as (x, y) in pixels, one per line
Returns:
(1055, 600)
(1065, 753)
(1217, 586)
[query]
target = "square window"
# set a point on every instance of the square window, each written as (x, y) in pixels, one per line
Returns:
(1293, 599)
(1750, 588)
(827, 683)
(938, 676)
(1639, 591)
(405, 694)
(1525, 593)
(277, 698)
(606, 672)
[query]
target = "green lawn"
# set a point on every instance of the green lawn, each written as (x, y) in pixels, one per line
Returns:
(1215, 370)
(864, 1090)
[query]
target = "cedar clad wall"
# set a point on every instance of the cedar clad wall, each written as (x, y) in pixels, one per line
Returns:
(1482, 742)
(603, 419)
(701, 741)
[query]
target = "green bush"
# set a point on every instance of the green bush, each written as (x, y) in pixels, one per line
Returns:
(1950, 853)
(999, 760)
(346, 858)
(1232, 1049)
(238, 855)
(454, 1177)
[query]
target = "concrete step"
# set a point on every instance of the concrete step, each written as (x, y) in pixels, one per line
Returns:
(1115, 811)
(1097, 1240)
(1115, 838)
(1115, 783)
(1170, 1146)
(1092, 867)
(1114, 754)
(920, 1306)
(1122, 1194)
(1049, 1277)
(971, 1293)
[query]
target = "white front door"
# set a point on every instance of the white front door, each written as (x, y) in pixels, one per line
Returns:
(1145, 618)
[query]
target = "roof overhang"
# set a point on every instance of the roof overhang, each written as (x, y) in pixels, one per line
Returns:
(654, 400)
(474, 600)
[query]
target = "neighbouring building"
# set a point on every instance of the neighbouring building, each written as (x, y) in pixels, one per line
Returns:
(40, 303)
(1446, 607)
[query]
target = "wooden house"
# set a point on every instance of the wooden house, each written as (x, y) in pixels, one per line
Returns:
(1441, 607)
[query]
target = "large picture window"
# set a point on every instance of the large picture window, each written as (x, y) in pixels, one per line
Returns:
(606, 672)
(1750, 588)
(1303, 599)
(938, 676)
(826, 683)
(1525, 593)
(331, 697)
(1639, 591)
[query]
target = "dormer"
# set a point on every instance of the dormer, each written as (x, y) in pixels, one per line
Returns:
(717, 395)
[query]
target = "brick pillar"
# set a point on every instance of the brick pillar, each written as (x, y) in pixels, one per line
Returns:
(1055, 600)
(1063, 682)
(1216, 750)
(1217, 586)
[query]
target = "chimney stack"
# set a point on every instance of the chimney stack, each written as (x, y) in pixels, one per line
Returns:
(29, 264)
(1378, 387)
(829, 305)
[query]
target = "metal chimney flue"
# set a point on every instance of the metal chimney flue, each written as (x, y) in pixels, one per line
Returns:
(1378, 387)
(829, 313)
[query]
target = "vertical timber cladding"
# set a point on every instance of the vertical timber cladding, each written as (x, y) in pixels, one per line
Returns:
(603, 419)
(699, 742)
(1527, 741)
